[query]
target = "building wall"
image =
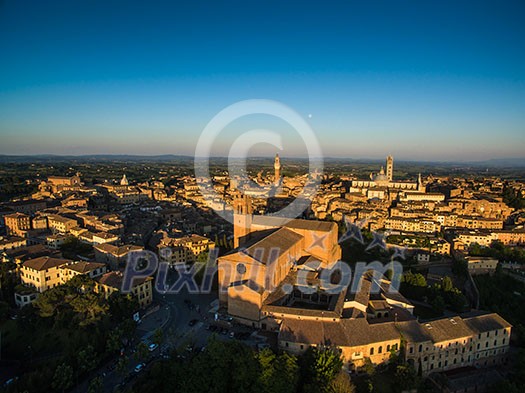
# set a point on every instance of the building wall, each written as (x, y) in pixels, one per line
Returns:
(479, 350)
(41, 280)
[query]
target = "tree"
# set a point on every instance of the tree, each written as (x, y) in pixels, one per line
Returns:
(368, 366)
(320, 366)
(438, 304)
(87, 359)
(142, 351)
(114, 341)
(95, 385)
(158, 336)
(446, 284)
(277, 373)
(63, 378)
(405, 377)
(122, 366)
(341, 384)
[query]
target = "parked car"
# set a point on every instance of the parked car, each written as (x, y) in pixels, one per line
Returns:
(152, 347)
(139, 367)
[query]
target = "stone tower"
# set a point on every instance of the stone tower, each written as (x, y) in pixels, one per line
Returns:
(420, 186)
(390, 168)
(277, 168)
(242, 219)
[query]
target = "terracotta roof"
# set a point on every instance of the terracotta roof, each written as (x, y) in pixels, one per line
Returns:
(114, 280)
(485, 323)
(44, 263)
(283, 239)
(346, 333)
(273, 221)
(16, 215)
(117, 250)
(83, 267)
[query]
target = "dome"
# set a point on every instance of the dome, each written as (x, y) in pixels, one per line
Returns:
(380, 178)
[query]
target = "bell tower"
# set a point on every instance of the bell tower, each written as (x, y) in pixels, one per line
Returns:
(242, 219)
(390, 168)
(277, 168)
(420, 186)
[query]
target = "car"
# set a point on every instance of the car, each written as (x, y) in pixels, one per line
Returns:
(152, 347)
(193, 322)
(139, 367)
(232, 335)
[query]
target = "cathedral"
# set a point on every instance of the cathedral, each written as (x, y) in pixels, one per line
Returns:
(268, 250)
(383, 186)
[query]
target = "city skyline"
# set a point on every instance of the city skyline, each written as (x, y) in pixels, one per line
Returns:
(424, 83)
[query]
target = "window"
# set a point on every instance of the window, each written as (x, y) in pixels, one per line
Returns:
(372, 351)
(388, 348)
(380, 349)
(420, 347)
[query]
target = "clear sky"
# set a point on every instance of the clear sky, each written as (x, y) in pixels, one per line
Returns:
(436, 80)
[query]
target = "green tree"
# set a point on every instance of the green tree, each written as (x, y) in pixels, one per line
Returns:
(63, 378)
(341, 384)
(321, 365)
(446, 284)
(405, 377)
(438, 304)
(95, 385)
(122, 366)
(277, 373)
(368, 367)
(142, 351)
(87, 359)
(158, 336)
(114, 341)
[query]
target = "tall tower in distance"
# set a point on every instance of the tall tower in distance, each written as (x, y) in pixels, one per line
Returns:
(277, 168)
(242, 219)
(420, 186)
(390, 168)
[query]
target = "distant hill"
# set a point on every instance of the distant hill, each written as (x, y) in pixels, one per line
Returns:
(47, 158)
(51, 158)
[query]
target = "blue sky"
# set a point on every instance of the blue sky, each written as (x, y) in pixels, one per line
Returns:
(440, 80)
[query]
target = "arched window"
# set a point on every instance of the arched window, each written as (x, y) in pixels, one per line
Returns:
(372, 351)
(380, 349)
